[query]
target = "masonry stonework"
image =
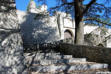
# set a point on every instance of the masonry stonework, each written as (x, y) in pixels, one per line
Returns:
(38, 26)
(11, 49)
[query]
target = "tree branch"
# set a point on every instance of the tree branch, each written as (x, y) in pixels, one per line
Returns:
(88, 6)
(98, 20)
(71, 3)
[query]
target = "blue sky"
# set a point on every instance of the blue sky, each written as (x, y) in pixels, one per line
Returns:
(22, 4)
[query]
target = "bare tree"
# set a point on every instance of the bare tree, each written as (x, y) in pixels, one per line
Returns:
(82, 10)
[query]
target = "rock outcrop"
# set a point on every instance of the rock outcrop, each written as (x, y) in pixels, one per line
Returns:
(11, 49)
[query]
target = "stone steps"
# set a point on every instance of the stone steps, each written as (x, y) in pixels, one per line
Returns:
(50, 56)
(52, 63)
(55, 61)
(54, 57)
(92, 71)
(68, 67)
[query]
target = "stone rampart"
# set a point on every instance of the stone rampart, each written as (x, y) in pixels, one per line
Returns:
(96, 54)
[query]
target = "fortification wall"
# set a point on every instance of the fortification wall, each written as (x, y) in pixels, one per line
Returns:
(96, 54)
(11, 49)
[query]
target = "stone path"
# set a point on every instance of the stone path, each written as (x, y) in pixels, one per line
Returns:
(54, 63)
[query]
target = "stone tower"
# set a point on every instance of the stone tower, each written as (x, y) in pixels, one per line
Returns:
(11, 50)
(32, 6)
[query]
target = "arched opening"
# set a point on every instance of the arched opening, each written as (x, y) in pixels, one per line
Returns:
(67, 34)
(100, 45)
(68, 37)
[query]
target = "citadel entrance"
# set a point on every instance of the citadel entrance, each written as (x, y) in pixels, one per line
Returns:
(68, 36)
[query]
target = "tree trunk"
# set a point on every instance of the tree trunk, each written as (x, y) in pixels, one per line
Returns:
(79, 33)
(79, 26)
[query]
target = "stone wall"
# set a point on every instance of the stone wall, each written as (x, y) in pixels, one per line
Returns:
(96, 54)
(97, 37)
(39, 28)
(11, 49)
(7, 5)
